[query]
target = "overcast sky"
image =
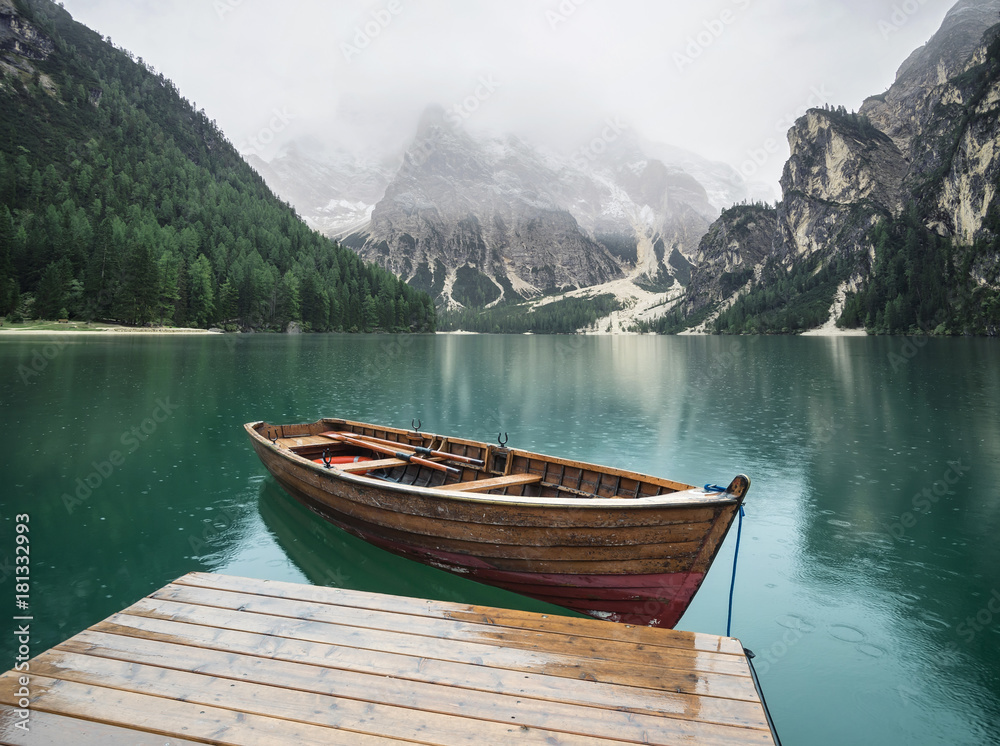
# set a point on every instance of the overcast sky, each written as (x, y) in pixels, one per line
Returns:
(723, 78)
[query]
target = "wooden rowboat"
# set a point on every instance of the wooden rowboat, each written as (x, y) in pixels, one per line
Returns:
(606, 542)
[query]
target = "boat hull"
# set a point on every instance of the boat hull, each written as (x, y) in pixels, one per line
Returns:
(638, 562)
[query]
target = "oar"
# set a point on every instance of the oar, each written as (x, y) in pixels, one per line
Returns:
(408, 457)
(418, 449)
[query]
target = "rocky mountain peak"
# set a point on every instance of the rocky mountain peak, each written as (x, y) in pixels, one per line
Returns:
(889, 216)
(499, 215)
(841, 158)
(898, 111)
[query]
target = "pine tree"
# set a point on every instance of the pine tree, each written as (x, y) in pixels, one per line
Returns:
(8, 281)
(169, 272)
(201, 297)
(52, 290)
(288, 305)
(228, 305)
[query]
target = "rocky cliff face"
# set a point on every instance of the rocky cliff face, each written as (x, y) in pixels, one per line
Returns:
(20, 41)
(956, 156)
(731, 254)
(842, 176)
(941, 112)
(931, 143)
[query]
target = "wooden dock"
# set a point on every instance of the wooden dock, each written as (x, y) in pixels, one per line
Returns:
(225, 660)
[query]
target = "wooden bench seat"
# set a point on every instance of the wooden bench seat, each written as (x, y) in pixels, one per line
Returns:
(381, 463)
(302, 441)
(483, 485)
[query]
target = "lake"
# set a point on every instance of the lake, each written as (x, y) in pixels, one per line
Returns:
(868, 581)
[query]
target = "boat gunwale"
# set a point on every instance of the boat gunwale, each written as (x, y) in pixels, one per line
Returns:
(694, 497)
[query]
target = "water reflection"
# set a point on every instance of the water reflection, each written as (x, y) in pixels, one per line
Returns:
(328, 556)
(867, 601)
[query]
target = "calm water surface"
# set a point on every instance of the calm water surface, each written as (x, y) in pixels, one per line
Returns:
(873, 605)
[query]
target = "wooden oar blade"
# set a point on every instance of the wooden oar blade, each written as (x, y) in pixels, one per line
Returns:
(416, 449)
(393, 451)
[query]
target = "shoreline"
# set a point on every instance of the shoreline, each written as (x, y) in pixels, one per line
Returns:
(108, 332)
(125, 330)
(834, 332)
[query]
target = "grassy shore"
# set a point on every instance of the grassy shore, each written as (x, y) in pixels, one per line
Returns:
(83, 327)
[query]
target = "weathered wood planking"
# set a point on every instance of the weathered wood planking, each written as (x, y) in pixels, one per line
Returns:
(225, 660)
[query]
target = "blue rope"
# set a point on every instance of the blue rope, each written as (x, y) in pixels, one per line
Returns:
(714, 488)
(732, 585)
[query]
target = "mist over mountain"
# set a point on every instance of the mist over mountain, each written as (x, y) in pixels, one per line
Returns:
(478, 219)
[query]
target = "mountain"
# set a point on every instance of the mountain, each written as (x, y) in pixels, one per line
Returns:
(890, 217)
(478, 220)
(119, 201)
(334, 189)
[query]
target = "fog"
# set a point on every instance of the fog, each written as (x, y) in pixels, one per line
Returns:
(724, 78)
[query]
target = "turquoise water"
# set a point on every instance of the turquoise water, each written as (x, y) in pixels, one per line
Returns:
(873, 605)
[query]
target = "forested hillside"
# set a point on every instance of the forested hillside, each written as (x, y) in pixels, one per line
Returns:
(119, 201)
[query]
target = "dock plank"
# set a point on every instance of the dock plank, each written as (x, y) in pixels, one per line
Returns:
(305, 697)
(392, 652)
(430, 627)
(52, 728)
(358, 666)
(221, 660)
(216, 725)
(577, 626)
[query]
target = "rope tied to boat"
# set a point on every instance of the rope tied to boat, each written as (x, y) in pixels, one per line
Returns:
(714, 488)
(736, 557)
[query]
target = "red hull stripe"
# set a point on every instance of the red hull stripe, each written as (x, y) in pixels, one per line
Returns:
(655, 600)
